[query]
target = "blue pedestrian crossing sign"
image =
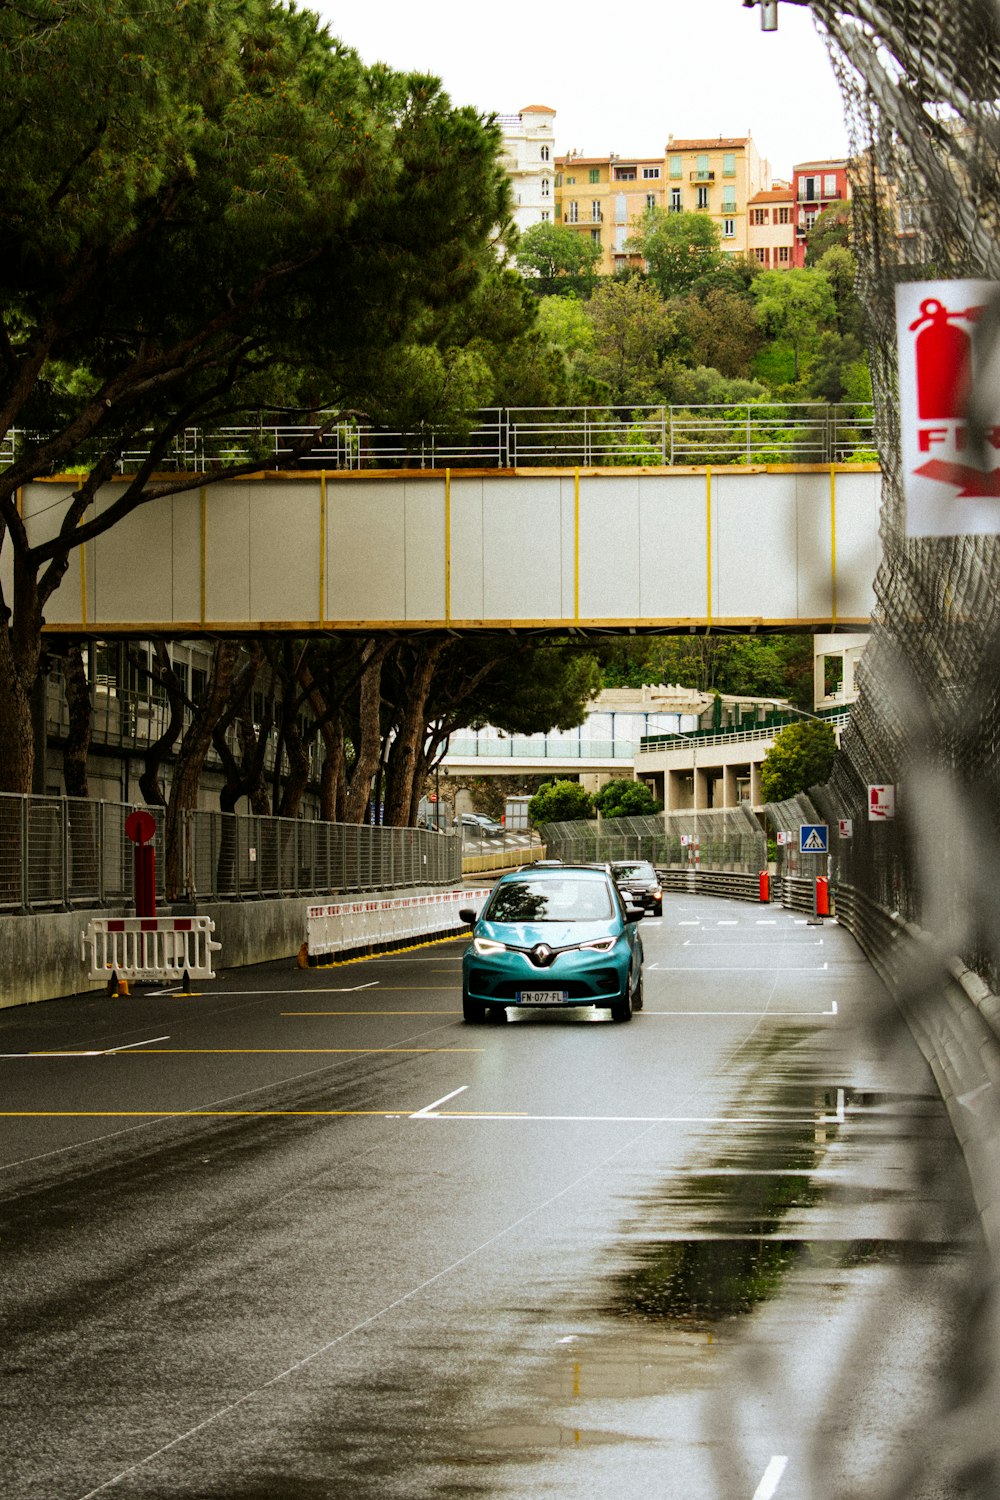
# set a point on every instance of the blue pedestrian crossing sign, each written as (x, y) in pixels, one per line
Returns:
(814, 838)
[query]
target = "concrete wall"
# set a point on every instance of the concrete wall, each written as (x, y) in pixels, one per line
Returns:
(40, 955)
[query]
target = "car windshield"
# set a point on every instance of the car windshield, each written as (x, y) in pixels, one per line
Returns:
(566, 899)
(627, 871)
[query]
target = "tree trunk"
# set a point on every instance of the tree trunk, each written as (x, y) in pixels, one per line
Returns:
(410, 737)
(191, 760)
(370, 724)
(20, 653)
(150, 784)
(78, 702)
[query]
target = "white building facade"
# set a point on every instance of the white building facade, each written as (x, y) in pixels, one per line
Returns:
(529, 161)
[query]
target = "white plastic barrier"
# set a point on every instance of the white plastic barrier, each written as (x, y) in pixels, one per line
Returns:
(346, 926)
(149, 947)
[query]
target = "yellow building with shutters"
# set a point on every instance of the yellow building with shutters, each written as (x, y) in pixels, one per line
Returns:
(604, 197)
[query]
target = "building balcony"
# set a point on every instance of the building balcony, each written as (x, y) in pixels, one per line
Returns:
(701, 176)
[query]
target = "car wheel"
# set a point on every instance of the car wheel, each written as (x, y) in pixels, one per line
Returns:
(622, 1009)
(658, 910)
(498, 1013)
(472, 1010)
(637, 1001)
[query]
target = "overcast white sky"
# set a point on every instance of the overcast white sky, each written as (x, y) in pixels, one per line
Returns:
(621, 77)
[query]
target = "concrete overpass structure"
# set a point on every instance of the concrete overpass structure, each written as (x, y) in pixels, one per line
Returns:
(773, 547)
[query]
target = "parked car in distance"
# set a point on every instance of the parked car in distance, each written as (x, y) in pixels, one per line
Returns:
(638, 878)
(480, 824)
(553, 936)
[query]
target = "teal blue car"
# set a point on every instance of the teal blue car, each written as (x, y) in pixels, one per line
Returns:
(551, 936)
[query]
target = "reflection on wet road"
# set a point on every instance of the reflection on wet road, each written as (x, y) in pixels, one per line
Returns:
(327, 1241)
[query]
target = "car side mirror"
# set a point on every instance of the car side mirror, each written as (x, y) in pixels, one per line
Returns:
(468, 915)
(634, 913)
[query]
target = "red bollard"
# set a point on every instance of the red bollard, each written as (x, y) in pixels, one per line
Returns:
(765, 886)
(141, 828)
(822, 896)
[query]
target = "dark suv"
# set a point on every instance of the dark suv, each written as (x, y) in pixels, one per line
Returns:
(638, 879)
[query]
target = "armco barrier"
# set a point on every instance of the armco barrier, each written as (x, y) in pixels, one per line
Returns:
(697, 882)
(149, 947)
(358, 926)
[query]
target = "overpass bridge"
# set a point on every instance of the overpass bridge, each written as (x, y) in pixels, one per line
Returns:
(754, 547)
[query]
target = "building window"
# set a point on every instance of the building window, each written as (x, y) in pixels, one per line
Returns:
(595, 211)
(570, 181)
(572, 211)
(650, 200)
(557, 211)
(729, 164)
(701, 166)
(545, 153)
(728, 200)
(703, 197)
(650, 172)
(760, 256)
(621, 234)
(624, 174)
(558, 179)
(675, 200)
(621, 210)
(595, 236)
(830, 185)
(728, 228)
(784, 255)
(545, 187)
(676, 166)
(808, 191)
(783, 215)
(545, 216)
(595, 174)
(759, 215)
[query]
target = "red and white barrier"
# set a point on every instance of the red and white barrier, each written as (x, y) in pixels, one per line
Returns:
(349, 926)
(149, 947)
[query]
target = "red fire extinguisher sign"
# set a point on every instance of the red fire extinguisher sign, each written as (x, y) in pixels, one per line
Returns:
(950, 491)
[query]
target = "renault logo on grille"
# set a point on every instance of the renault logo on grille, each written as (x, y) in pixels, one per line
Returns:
(542, 955)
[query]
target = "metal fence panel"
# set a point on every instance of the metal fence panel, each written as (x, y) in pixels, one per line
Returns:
(70, 852)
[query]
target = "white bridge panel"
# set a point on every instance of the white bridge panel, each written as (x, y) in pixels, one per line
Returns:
(673, 548)
(612, 547)
(365, 542)
(522, 528)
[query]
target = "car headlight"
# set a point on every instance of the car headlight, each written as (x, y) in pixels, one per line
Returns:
(488, 945)
(657, 892)
(600, 945)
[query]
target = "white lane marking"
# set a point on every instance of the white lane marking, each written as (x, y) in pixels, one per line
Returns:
(772, 1477)
(92, 1052)
(767, 922)
(129, 1045)
(689, 924)
(742, 969)
(519, 1119)
(748, 943)
(840, 1106)
(727, 923)
(155, 994)
(802, 1015)
(428, 1112)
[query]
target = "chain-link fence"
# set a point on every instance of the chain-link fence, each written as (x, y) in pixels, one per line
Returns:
(65, 851)
(722, 839)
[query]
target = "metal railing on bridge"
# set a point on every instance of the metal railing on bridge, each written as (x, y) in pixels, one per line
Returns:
(62, 852)
(719, 839)
(530, 437)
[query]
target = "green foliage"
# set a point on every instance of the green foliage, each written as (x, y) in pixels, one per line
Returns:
(745, 666)
(832, 228)
(679, 249)
(796, 306)
(801, 756)
(235, 211)
(560, 802)
(622, 798)
(721, 329)
(633, 331)
(558, 261)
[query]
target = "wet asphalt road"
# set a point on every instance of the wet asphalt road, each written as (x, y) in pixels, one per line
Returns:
(309, 1235)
